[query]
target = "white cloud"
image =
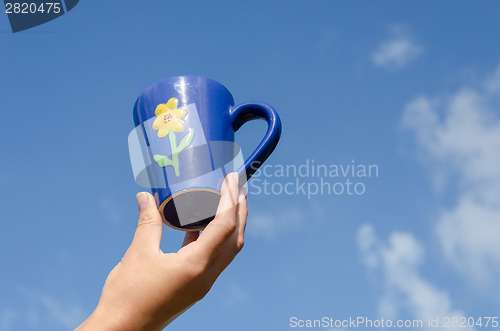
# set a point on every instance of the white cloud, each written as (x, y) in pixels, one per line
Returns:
(458, 138)
(396, 52)
(470, 235)
(406, 291)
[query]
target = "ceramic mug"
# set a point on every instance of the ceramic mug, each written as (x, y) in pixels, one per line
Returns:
(183, 146)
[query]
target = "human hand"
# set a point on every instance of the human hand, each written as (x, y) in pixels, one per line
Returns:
(147, 289)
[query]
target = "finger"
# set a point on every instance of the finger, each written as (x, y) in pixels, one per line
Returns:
(223, 226)
(242, 216)
(150, 226)
(229, 193)
(190, 237)
(234, 245)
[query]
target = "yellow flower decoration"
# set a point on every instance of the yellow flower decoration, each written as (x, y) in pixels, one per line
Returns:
(168, 117)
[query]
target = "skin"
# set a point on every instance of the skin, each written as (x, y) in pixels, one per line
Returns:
(148, 289)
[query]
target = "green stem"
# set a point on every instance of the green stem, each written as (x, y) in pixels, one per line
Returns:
(173, 148)
(175, 161)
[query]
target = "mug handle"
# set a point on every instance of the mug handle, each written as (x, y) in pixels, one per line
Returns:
(244, 112)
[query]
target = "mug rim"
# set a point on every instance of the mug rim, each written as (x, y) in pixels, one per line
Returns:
(188, 76)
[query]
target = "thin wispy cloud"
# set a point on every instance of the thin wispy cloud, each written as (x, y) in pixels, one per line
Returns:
(458, 138)
(492, 82)
(326, 40)
(8, 317)
(406, 292)
(232, 295)
(111, 209)
(40, 311)
(397, 51)
(267, 224)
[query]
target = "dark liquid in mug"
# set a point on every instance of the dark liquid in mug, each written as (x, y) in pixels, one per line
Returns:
(197, 207)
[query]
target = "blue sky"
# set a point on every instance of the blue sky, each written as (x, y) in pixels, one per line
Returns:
(413, 87)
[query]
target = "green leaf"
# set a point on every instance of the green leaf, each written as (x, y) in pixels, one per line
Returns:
(186, 140)
(162, 160)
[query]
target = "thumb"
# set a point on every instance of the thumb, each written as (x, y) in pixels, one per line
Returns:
(150, 226)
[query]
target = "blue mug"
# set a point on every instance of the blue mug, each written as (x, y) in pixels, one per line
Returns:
(183, 146)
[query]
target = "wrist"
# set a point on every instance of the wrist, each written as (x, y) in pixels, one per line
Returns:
(103, 319)
(100, 320)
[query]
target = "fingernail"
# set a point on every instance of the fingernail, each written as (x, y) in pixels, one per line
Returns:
(243, 194)
(142, 200)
